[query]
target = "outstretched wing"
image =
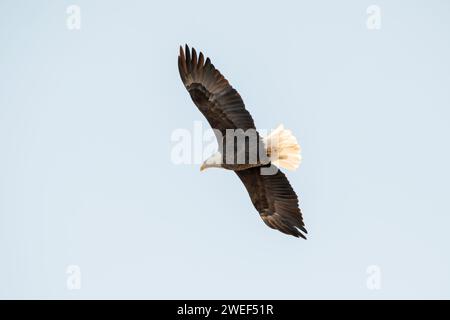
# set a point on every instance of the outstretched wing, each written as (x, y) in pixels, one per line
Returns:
(275, 200)
(212, 94)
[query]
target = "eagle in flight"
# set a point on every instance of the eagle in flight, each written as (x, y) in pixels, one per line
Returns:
(255, 159)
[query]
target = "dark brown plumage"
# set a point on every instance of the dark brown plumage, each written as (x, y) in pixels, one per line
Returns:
(221, 104)
(275, 200)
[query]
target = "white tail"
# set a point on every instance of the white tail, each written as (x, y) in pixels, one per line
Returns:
(282, 148)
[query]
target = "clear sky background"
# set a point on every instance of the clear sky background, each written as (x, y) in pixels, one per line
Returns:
(86, 176)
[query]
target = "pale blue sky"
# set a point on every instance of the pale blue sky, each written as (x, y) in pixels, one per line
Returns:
(86, 177)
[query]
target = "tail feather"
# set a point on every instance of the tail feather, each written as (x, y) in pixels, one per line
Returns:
(282, 148)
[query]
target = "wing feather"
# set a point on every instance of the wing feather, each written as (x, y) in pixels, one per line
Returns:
(275, 200)
(219, 102)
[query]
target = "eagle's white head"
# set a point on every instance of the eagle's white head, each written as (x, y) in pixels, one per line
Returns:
(214, 161)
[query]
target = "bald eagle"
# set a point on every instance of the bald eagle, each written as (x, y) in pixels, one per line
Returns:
(244, 151)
